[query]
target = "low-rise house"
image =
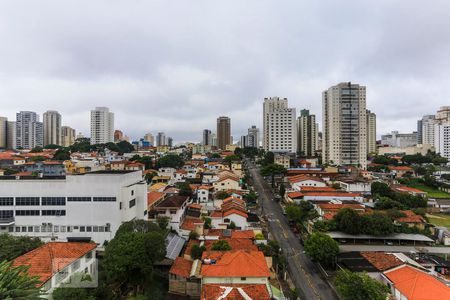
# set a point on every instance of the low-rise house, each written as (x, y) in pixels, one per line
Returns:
(409, 283)
(327, 211)
(411, 219)
(56, 263)
(235, 267)
(442, 205)
(46, 168)
(354, 186)
(135, 166)
(330, 196)
(283, 160)
(118, 165)
(235, 292)
(226, 182)
(166, 172)
(409, 190)
(297, 182)
(173, 208)
(204, 193)
(182, 279)
(400, 171)
(153, 198)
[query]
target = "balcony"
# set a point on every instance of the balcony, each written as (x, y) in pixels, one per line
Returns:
(7, 221)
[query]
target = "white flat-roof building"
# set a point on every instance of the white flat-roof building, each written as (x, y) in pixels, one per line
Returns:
(73, 207)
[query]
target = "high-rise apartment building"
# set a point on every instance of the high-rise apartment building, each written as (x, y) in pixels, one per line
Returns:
(170, 142)
(253, 137)
(11, 131)
(206, 137)
(280, 126)
(442, 140)
(371, 132)
(428, 123)
(223, 132)
(244, 141)
(3, 132)
(29, 131)
(118, 135)
(52, 128)
(344, 125)
(102, 126)
(213, 139)
(308, 131)
(67, 136)
(161, 139)
(149, 138)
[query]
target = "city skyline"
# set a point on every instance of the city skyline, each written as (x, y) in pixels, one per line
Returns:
(58, 65)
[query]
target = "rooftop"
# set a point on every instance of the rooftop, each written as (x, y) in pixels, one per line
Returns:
(235, 292)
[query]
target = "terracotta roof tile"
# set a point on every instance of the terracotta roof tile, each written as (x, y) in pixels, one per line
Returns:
(417, 285)
(238, 264)
(154, 196)
(234, 292)
(382, 261)
(46, 260)
(181, 267)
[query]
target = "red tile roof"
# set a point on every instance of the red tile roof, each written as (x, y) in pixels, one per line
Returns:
(235, 234)
(181, 267)
(238, 264)
(190, 223)
(52, 257)
(300, 178)
(415, 284)
(400, 168)
(317, 189)
(331, 194)
(409, 189)
(331, 206)
(295, 195)
(234, 292)
(235, 211)
(411, 217)
(382, 261)
(153, 196)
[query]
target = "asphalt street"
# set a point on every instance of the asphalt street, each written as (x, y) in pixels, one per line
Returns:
(306, 277)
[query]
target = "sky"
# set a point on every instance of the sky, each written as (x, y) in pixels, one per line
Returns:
(175, 66)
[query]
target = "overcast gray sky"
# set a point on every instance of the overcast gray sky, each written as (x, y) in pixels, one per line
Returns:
(175, 66)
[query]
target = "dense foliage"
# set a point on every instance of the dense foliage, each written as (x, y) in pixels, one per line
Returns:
(15, 283)
(387, 198)
(322, 248)
(170, 161)
(221, 245)
(359, 286)
(14, 246)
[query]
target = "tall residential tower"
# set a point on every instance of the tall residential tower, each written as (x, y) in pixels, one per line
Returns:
(29, 131)
(223, 132)
(308, 131)
(52, 128)
(102, 126)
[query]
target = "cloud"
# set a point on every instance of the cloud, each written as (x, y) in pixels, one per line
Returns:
(176, 66)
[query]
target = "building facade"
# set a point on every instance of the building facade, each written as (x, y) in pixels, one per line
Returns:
(223, 132)
(118, 135)
(161, 139)
(371, 132)
(253, 137)
(52, 128)
(206, 137)
(67, 136)
(399, 140)
(102, 126)
(308, 131)
(344, 125)
(3, 132)
(428, 123)
(442, 140)
(280, 126)
(90, 206)
(29, 131)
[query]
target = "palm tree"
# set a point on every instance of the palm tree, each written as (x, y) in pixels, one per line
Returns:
(16, 284)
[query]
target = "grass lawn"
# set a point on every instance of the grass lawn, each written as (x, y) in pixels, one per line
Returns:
(439, 220)
(432, 193)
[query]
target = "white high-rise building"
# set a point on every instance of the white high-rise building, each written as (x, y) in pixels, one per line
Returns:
(280, 126)
(102, 126)
(67, 136)
(253, 137)
(344, 125)
(428, 123)
(52, 128)
(308, 131)
(29, 131)
(442, 140)
(371, 132)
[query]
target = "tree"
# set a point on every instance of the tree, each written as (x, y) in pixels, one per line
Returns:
(231, 158)
(293, 213)
(221, 245)
(380, 189)
(170, 161)
(71, 294)
(273, 170)
(207, 222)
(197, 251)
(37, 149)
(15, 283)
(162, 222)
(130, 256)
(359, 286)
(376, 224)
(185, 189)
(220, 195)
(348, 221)
(62, 154)
(14, 246)
(215, 155)
(282, 191)
(322, 248)
(52, 146)
(125, 147)
(141, 226)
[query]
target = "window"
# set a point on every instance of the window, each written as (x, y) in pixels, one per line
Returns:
(79, 199)
(132, 193)
(53, 200)
(27, 201)
(89, 228)
(6, 214)
(89, 255)
(30, 228)
(82, 229)
(27, 212)
(243, 278)
(54, 212)
(6, 201)
(76, 265)
(132, 203)
(104, 199)
(37, 228)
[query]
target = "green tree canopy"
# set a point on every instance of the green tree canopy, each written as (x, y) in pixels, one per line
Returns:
(220, 195)
(197, 251)
(15, 283)
(272, 170)
(359, 286)
(185, 189)
(14, 246)
(52, 146)
(37, 149)
(348, 221)
(62, 154)
(221, 245)
(322, 248)
(170, 161)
